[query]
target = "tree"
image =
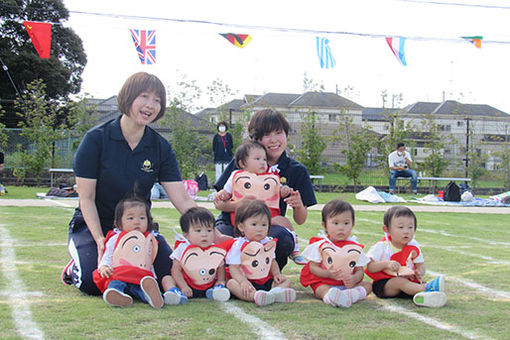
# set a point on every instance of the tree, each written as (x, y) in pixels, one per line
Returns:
(38, 126)
(436, 142)
(81, 117)
(312, 145)
(358, 142)
(61, 72)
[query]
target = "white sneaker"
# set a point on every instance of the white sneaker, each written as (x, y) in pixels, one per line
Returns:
(283, 295)
(152, 293)
(263, 298)
(116, 298)
(430, 299)
(338, 298)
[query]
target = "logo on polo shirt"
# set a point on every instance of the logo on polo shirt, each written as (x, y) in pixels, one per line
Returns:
(147, 166)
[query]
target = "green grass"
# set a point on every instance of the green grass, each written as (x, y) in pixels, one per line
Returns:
(463, 246)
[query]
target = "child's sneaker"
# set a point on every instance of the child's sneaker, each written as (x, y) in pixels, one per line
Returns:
(436, 285)
(337, 298)
(263, 298)
(430, 299)
(66, 276)
(283, 295)
(116, 298)
(151, 290)
(218, 293)
(298, 258)
(174, 296)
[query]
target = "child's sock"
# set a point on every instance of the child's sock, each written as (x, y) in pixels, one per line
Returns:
(263, 298)
(174, 296)
(337, 298)
(357, 294)
(283, 295)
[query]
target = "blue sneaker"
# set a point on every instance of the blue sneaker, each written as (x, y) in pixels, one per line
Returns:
(174, 296)
(218, 293)
(436, 285)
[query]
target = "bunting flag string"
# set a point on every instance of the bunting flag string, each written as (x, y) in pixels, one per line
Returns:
(145, 44)
(40, 34)
(475, 40)
(239, 40)
(397, 47)
(326, 58)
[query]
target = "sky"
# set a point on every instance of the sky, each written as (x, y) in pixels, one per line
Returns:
(440, 64)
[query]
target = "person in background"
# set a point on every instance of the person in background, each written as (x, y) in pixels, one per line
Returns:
(399, 162)
(222, 145)
(2, 188)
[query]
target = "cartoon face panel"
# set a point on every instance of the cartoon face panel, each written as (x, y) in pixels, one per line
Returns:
(265, 187)
(256, 259)
(201, 265)
(405, 257)
(134, 249)
(345, 258)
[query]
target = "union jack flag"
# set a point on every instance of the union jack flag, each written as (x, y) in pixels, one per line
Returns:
(145, 44)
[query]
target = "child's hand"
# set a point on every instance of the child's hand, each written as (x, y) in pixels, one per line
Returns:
(105, 271)
(336, 274)
(247, 288)
(223, 195)
(418, 273)
(349, 280)
(284, 191)
(280, 278)
(394, 266)
(187, 291)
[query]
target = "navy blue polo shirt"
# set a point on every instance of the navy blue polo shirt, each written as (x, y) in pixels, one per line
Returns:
(292, 172)
(105, 155)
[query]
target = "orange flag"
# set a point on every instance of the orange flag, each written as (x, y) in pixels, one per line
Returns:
(40, 33)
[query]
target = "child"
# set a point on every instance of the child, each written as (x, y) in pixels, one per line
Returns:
(397, 264)
(125, 270)
(255, 274)
(198, 265)
(256, 181)
(335, 270)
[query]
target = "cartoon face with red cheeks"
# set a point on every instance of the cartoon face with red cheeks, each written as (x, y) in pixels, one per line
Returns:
(256, 259)
(405, 257)
(134, 249)
(335, 258)
(201, 265)
(264, 187)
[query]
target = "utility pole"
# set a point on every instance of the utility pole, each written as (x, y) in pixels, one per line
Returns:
(467, 144)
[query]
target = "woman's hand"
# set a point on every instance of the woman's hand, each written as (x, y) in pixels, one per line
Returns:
(294, 200)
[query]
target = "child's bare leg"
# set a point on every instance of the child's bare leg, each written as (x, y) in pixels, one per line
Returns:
(282, 292)
(235, 288)
(167, 282)
(399, 284)
(366, 285)
(321, 291)
(284, 284)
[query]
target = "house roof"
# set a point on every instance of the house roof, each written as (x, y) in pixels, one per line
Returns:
(452, 107)
(275, 99)
(324, 100)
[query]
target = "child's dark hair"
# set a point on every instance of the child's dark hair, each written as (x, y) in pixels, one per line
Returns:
(398, 211)
(336, 207)
(196, 215)
(250, 208)
(129, 202)
(243, 151)
(265, 121)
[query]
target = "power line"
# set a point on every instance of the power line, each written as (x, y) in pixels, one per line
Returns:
(279, 29)
(455, 4)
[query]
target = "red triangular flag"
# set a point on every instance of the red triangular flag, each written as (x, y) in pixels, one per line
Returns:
(40, 33)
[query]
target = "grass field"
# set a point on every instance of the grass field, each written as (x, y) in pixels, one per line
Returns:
(471, 250)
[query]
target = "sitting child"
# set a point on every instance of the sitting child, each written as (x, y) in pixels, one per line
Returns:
(335, 270)
(255, 181)
(198, 265)
(125, 270)
(255, 273)
(397, 265)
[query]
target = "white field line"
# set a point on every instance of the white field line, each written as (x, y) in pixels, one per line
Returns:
(368, 220)
(261, 328)
(430, 321)
(490, 260)
(444, 233)
(478, 288)
(61, 204)
(16, 290)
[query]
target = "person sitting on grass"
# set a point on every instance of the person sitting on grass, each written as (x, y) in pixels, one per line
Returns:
(255, 273)
(335, 270)
(126, 270)
(198, 265)
(397, 264)
(251, 158)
